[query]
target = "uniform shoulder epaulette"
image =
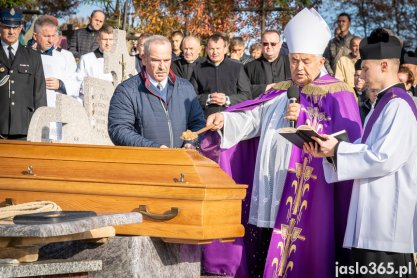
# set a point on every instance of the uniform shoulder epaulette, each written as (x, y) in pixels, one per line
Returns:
(58, 49)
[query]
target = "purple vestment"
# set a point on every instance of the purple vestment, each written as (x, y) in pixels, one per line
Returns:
(311, 218)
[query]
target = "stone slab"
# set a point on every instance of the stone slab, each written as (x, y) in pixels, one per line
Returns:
(135, 256)
(70, 227)
(49, 268)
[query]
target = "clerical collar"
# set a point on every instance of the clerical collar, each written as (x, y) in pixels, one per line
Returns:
(98, 53)
(383, 91)
(47, 52)
(155, 83)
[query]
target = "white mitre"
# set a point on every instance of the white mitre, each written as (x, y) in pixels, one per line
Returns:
(307, 32)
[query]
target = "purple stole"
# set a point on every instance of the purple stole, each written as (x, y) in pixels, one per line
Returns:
(393, 92)
(311, 218)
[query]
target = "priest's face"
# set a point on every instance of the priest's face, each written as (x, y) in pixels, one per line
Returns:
(305, 67)
(105, 41)
(158, 60)
(372, 74)
(216, 51)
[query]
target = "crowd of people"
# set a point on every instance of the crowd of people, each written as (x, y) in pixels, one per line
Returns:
(308, 212)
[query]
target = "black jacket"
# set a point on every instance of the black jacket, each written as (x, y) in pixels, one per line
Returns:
(23, 90)
(83, 41)
(184, 69)
(261, 73)
(229, 78)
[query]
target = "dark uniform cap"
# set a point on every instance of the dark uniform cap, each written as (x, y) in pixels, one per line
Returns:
(380, 45)
(10, 18)
(409, 59)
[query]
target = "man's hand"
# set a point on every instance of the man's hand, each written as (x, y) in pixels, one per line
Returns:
(293, 112)
(321, 148)
(269, 86)
(218, 98)
(217, 119)
(189, 146)
(52, 83)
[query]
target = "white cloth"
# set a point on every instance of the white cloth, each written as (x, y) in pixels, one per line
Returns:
(61, 65)
(382, 213)
(273, 155)
(307, 32)
(91, 66)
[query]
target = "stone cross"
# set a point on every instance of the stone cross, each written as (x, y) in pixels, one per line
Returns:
(118, 61)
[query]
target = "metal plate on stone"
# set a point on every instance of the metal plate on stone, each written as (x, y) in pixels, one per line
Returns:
(51, 217)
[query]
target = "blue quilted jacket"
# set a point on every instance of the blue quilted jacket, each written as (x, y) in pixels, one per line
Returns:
(139, 117)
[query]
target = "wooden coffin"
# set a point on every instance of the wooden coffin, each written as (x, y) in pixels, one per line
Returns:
(185, 197)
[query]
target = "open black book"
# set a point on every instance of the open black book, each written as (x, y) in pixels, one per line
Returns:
(303, 133)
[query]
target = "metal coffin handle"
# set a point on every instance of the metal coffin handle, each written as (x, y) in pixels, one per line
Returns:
(165, 216)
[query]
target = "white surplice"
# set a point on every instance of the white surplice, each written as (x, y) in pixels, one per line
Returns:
(61, 65)
(382, 213)
(272, 158)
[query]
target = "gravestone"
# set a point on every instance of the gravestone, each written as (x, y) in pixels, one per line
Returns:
(97, 96)
(76, 128)
(98, 93)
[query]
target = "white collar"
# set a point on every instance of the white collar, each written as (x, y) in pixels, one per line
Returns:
(155, 83)
(386, 88)
(14, 46)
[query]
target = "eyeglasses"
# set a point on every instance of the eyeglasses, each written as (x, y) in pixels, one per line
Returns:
(270, 43)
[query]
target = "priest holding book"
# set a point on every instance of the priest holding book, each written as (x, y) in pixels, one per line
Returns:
(294, 219)
(382, 222)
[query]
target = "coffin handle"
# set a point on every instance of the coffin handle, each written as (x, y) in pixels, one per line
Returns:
(165, 216)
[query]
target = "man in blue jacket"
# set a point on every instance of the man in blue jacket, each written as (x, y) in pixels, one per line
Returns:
(153, 108)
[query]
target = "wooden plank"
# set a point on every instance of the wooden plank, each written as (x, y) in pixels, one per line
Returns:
(23, 255)
(98, 233)
(103, 153)
(184, 192)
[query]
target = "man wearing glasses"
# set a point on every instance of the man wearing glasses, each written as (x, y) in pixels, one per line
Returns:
(270, 68)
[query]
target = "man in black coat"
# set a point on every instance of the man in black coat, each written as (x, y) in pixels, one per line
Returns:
(270, 68)
(84, 40)
(22, 82)
(220, 81)
(191, 48)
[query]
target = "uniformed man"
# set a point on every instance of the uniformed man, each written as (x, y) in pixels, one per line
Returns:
(22, 81)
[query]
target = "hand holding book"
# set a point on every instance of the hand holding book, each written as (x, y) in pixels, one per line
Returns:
(304, 133)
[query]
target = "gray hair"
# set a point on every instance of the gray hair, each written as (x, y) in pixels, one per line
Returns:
(155, 39)
(42, 21)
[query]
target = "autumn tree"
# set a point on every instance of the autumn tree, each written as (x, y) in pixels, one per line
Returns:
(58, 8)
(397, 15)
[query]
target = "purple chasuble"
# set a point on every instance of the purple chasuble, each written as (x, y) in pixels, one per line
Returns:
(311, 218)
